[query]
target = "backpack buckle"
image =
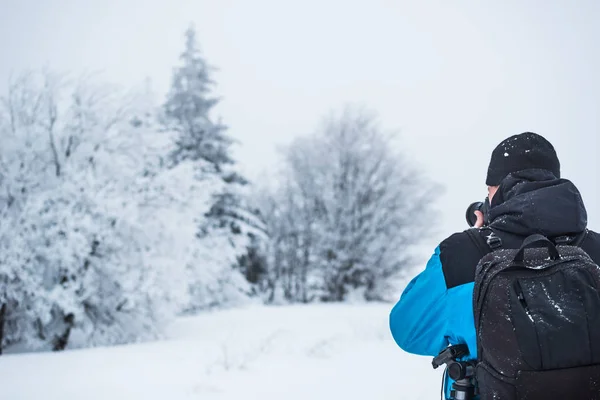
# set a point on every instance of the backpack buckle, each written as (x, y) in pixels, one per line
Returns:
(563, 240)
(494, 241)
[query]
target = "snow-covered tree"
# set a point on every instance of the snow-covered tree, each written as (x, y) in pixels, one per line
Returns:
(227, 228)
(188, 108)
(343, 218)
(76, 263)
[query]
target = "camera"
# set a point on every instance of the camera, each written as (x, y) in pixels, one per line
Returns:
(483, 206)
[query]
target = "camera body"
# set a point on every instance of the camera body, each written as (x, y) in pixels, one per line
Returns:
(483, 206)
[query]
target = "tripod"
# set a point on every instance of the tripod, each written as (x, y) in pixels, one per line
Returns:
(462, 372)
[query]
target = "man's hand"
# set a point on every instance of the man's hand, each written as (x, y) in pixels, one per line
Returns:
(479, 222)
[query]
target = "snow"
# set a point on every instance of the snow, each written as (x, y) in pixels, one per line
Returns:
(341, 351)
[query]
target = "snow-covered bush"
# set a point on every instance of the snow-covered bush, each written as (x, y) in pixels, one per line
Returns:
(77, 263)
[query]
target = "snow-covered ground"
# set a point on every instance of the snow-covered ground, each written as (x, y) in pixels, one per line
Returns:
(290, 352)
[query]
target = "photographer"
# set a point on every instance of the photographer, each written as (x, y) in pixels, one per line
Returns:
(525, 196)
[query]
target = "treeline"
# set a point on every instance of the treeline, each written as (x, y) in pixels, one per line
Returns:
(118, 213)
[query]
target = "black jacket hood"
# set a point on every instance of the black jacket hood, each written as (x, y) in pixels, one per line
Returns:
(536, 201)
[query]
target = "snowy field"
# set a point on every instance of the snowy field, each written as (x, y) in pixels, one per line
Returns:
(289, 352)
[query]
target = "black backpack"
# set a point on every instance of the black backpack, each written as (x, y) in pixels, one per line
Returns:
(537, 319)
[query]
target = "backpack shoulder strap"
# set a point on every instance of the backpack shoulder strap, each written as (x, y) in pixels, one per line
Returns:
(485, 239)
(580, 239)
(478, 240)
(576, 240)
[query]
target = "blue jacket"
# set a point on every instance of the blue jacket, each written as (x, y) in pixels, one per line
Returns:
(436, 308)
(430, 316)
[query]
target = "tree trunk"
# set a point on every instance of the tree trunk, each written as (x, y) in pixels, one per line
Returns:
(2, 315)
(60, 342)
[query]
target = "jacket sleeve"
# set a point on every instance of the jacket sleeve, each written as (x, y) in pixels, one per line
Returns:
(418, 321)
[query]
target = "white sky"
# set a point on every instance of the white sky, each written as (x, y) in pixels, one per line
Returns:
(453, 79)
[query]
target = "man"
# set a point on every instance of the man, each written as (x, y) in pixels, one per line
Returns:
(526, 196)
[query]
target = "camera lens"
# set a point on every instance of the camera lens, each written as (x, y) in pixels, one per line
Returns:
(470, 215)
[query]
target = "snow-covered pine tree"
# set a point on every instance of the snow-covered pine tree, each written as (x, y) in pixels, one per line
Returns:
(188, 107)
(228, 228)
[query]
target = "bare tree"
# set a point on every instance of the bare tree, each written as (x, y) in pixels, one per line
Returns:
(346, 211)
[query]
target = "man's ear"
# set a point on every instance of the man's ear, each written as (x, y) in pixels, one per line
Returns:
(496, 195)
(492, 192)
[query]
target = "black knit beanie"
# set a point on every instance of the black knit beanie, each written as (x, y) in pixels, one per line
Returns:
(524, 151)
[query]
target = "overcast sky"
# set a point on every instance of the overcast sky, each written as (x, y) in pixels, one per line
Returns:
(454, 78)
